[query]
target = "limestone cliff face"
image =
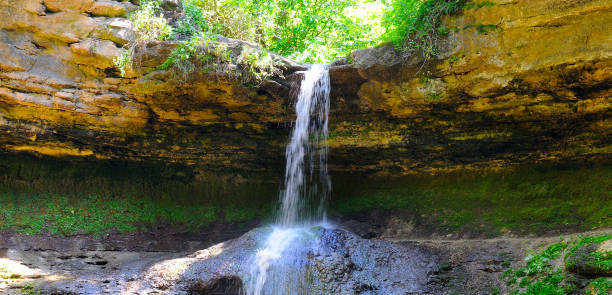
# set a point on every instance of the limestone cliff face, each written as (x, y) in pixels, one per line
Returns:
(517, 81)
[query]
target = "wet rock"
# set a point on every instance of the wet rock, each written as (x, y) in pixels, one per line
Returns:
(340, 263)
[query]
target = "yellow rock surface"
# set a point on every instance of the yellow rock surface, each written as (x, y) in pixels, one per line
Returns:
(517, 81)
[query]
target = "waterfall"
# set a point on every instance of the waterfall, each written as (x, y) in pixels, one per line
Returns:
(309, 135)
(279, 267)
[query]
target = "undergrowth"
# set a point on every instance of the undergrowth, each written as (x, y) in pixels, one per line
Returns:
(543, 276)
(199, 49)
(416, 25)
(307, 31)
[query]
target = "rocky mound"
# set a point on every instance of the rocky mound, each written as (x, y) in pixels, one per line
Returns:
(324, 261)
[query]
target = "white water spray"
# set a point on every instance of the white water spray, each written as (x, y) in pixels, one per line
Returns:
(277, 267)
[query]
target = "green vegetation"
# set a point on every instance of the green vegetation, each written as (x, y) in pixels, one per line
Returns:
(310, 31)
(599, 260)
(123, 61)
(482, 28)
(62, 215)
(149, 24)
(64, 198)
(29, 289)
(99, 196)
(415, 25)
(4, 273)
(527, 200)
(477, 5)
(542, 276)
(600, 286)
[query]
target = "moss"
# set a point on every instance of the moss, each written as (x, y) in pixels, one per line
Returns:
(63, 215)
(477, 5)
(525, 200)
(483, 29)
(69, 197)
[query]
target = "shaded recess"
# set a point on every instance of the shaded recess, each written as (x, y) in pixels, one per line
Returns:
(223, 286)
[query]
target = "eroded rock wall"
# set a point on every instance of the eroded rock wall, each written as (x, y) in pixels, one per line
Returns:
(61, 95)
(517, 81)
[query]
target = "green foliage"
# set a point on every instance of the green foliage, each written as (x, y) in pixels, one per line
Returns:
(600, 260)
(304, 30)
(149, 24)
(539, 277)
(600, 286)
(415, 24)
(310, 31)
(122, 61)
(453, 221)
(28, 289)
(584, 241)
(542, 276)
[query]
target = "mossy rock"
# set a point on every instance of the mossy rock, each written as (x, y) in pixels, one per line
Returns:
(591, 257)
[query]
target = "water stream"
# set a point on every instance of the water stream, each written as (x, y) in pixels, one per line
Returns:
(278, 267)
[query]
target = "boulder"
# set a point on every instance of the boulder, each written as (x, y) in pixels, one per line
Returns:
(108, 8)
(118, 30)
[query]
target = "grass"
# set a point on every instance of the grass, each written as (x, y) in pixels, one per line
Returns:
(526, 200)
(64, 215)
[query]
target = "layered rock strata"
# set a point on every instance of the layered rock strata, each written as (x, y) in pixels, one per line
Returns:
(517, 81)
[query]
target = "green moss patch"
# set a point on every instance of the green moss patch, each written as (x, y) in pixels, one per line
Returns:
(525, 200)
(63, 215)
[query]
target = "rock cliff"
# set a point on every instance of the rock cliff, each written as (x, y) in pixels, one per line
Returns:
(517, 81)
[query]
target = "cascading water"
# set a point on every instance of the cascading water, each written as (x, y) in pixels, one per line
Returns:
(312, 109)
(278, 267)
